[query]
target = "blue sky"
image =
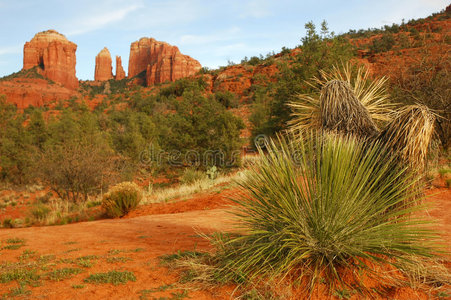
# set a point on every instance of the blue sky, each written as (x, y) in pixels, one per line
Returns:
(212, 32)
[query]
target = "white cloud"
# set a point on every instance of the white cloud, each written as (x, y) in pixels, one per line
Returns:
(99, 20)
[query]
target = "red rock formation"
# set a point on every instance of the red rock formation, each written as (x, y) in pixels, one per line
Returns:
(104, 67)
(236, 79)
(24, 92)
(54, 55)
(161, 61)
(120, 73)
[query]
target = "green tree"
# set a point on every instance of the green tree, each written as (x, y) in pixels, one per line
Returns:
(77, 168)
(318, 51)
(200, 124)
(37, 129)
(16, 149)
(77, 159)
(131, 132)
(383, 44)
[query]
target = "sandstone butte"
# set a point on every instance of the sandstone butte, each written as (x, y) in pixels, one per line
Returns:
(120, 73)
(54, 55)
(160, 61)
(104, 68)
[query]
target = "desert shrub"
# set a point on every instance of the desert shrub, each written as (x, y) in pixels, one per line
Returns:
(16, 149)
(227, 98)
(131, 132)
(285, 51)
(76, 169)
(40, 211)
(77, 160)
(30, 73)
(191, 175)
(383, 44)
(254, 60)
(8, 223)
(178, 87)
(204, 128)
(121, 199)
(118, 86)
(404, 41)
(309, 212)
(45, 198)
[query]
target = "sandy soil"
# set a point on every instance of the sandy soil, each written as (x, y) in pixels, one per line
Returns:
(154, 230)
(440, 210)
(155, 235)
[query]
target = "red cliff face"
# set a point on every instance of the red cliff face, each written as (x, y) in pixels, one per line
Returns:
(104, 68)
(33, 91)
(54, 55)
(120, 73)
(161, 61)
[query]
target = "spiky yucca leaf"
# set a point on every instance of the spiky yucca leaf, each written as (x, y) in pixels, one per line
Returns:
(318, 204)
(372, 93)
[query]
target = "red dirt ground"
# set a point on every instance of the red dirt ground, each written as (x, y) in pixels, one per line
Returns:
(440, 200)
(158, 229)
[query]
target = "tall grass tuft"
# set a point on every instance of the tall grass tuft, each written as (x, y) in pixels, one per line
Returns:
(317, 205)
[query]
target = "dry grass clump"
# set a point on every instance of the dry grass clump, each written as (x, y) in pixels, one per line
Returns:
(342, 112)
(188, 189)
(428, 271)
(371, 93)
(121, 199)
(409, 134)
(58, 211)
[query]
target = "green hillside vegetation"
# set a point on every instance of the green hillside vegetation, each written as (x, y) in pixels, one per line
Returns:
(139, 132)
(151, 134)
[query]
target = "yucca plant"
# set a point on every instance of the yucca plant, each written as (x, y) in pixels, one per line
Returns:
(409, 135)
(371, 93)
(315, 205)
(341, 112)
